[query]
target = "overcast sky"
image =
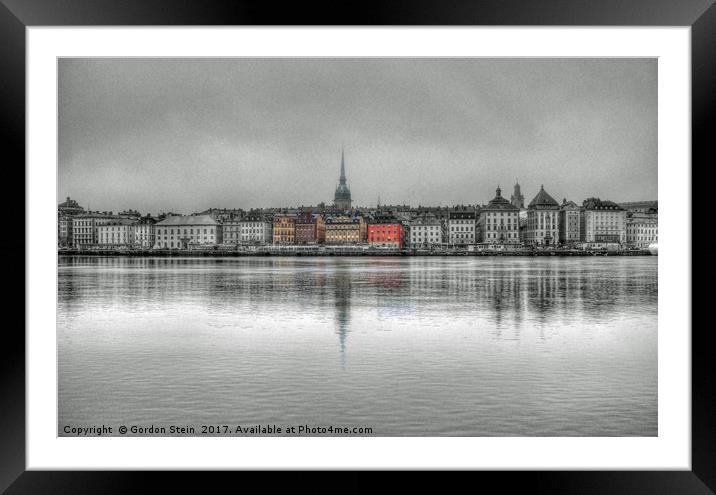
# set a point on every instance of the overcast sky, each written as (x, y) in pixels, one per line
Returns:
(189, 134)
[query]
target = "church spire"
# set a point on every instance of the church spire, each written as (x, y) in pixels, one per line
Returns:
(517, 198)
(342, 198)
(343, 168)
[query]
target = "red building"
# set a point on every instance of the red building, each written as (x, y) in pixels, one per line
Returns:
(386, 233)
(310, 228)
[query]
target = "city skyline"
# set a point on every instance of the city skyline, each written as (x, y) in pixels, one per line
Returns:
(188, 134)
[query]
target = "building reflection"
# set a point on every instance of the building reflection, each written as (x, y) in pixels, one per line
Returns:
(342, 313)
(508, 295)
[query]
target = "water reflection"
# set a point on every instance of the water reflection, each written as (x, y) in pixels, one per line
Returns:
(342, 290)
(474, 346)
(504, 292)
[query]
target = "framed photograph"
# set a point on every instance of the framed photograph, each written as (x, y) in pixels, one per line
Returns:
(418, 238)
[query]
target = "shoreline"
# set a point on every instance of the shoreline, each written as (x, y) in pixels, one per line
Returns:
(168, 253)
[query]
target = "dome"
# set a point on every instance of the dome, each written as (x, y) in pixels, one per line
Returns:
(500, 203)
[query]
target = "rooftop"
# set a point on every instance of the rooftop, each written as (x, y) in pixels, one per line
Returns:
(499, 203)
(462, 214)
(120, 222)
(542, 200)
(599, 204)
(188, 220)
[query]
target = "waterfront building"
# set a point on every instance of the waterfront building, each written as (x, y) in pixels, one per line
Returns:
(602, 222)
(425, 231)
(385, 231)
(70, 207)
(310, 228)
(255, 229)
(85, 227)
(569, 215)
(231, 232)
(144, 235)
(517, 199)
(542, 220)
(342, 197)
(284, 228)
(461, 226)
(65, 211)
(523, 225)
(64, 230)
(642, 228)
(498, 222)
(83, 230)
(119, 232)
(345, 229)
(181, 231)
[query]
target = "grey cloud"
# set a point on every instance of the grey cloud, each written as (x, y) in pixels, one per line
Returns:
(187, 134)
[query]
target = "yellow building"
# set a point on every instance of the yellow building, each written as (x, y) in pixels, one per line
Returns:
(345, 229)
(284, 229)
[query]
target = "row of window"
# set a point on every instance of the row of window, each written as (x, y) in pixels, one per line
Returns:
(508, 235)
(501, 227)
(163, 231)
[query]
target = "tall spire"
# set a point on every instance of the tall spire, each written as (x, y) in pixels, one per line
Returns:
(342, 198)
(343, 167)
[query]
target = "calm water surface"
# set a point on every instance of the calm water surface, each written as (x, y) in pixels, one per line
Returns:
(407, 346)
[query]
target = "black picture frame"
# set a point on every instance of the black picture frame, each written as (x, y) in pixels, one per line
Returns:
(16, 15)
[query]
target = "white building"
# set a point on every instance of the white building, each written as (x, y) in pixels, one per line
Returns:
(179, 232)
(85, 227)
(231, 232)
(602, 222)
(542, 220)
(498, 222)
(144, 235)
(642, 229)
(120, 232)
(461, 227)
(254, 229)
(425, 231)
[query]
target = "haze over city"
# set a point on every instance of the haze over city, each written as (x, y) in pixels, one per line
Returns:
(188, 134)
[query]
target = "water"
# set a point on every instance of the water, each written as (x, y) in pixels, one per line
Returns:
(406, 346)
